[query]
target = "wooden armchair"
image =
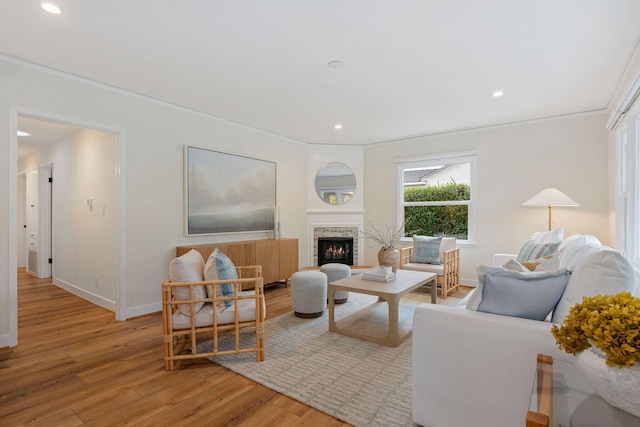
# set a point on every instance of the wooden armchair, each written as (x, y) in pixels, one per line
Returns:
(182, 333)
(448, 271)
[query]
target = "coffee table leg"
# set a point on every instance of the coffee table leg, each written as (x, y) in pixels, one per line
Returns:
(332, 326)
(434, 291)
(394, 314)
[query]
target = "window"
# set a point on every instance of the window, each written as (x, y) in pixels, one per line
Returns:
(436, 196)
(627, 140)
(336, 197)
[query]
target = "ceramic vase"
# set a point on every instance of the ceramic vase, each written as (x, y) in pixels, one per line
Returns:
(389, 257)
(618, 387)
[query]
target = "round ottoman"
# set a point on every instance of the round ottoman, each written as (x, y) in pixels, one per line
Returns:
(336, 271)
(309, 293)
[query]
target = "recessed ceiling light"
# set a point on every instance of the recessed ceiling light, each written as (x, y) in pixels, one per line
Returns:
(498, 94)
(23, 133)
(51, 8)
(335, 64)
(337, 126)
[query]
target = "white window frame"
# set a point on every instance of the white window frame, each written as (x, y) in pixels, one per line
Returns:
(627, 143)
(445, 158)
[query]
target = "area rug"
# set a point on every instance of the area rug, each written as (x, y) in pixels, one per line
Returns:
(358, 382)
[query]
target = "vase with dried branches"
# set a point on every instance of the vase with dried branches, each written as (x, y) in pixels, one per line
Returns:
(388, 240)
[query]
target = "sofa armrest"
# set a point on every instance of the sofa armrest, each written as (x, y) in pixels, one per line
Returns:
(473, 368)
(501, 259)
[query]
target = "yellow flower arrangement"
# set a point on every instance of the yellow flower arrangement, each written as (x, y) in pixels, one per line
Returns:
(609, 322)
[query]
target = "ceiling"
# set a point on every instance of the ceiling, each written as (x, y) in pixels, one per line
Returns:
(409, 67)
(40, 133)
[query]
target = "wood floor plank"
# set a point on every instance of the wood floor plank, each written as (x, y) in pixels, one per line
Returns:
(65, 418)
(76, 365)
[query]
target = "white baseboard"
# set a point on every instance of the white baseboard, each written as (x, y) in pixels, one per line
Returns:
(469, 282)
(91, 297)
(143, 309)
(8, 340)
(105, 303)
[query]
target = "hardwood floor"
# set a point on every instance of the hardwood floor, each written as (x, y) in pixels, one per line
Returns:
(75, 365)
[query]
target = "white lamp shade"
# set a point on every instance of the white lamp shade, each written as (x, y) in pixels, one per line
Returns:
(550, 197)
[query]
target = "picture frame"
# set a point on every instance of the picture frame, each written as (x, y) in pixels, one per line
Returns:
(227, 193)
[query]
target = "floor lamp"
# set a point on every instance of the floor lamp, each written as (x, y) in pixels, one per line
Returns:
(550, 197)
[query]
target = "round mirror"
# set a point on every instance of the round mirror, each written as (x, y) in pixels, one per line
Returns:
(335, 183)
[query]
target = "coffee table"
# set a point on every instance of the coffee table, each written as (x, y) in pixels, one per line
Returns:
(560, 396)
(385, 322)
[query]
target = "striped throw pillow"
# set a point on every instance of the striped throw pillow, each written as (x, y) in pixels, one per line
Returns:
(533, 250)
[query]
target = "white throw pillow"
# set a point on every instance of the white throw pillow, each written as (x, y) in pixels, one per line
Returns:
(187, 268)
(553, 236)
(549, 264)
(514, 265)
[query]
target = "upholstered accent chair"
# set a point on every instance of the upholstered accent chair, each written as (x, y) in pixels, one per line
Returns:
(446, 263)
(197, 311)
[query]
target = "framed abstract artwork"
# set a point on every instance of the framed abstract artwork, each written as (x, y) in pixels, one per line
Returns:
(227, 193)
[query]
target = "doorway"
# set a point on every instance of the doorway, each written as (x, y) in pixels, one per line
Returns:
(72, 220)
(34, 213)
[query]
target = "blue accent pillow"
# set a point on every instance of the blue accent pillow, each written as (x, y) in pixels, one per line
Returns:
(530, 295)
(225, 269)
(426, 250)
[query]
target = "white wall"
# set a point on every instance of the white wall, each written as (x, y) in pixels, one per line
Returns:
(85, 239)
(512, 164)
(154, 134)
(320, 213)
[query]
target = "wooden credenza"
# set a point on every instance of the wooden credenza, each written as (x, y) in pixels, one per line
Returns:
(278, 257)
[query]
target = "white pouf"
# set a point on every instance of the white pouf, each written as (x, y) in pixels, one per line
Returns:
(309, 293)
(336, 271)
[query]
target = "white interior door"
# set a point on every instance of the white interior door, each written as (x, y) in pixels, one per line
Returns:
(45, 212)
(21, 220)
(32, 222)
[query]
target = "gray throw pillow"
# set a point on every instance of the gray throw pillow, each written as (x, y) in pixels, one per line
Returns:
(530, 295)
(426, 250)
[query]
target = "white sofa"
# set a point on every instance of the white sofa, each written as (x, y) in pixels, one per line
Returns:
(472, 368)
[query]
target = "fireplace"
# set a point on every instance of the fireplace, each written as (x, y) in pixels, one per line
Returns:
(335, 249)
(335, 232)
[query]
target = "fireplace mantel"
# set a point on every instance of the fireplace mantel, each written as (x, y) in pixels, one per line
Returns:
(334, 212)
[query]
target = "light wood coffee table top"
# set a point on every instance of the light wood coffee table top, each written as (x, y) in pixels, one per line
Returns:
(368, 324)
